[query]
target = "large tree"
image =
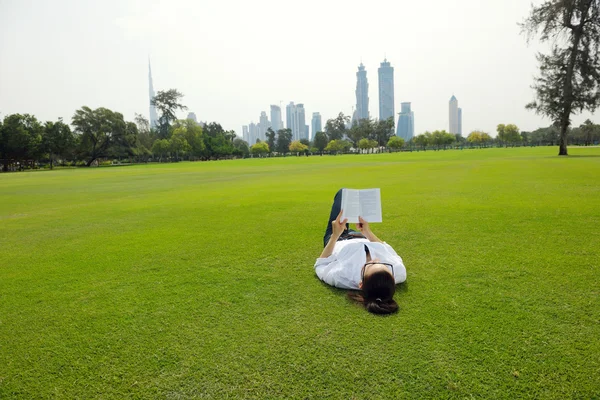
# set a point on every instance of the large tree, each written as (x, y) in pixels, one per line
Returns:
(383, 130)
(270, 134)
(320, 141)
(103, 133)
(569, 80)
(57, 140)
(336, 127)
(167, 103)
(20, 138)
(284, 139)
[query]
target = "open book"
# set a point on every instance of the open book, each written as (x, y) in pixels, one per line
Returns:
(361, 202)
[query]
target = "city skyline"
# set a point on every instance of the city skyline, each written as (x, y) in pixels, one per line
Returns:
(114, 39)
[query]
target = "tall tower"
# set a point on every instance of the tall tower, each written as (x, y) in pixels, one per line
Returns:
(406, 122)
(292, 123)
(276, 118)
(453, 115)
(153, 115)
(459, 121)
(386, 90)
(302, 127)
(316, 124)
(263, 125)
(362, 93)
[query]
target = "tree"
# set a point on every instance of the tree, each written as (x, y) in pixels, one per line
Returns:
(363, 129)
(383, 130)
(305, 142)
(334, 146)
(242, 147)
(145, 134)
(441, 138)
(103, 132)
(395, 143)
(284, 139)
(336, 127)
(179, 143)
(193, 134)
(569, 80)
(365, 143)
(320, 141)
(422, 140)
(20, 139)
(57, 140)
(167, 103)
(270, 134)
(296, 146)
(161, 147)
(509, 133)
(259, 148)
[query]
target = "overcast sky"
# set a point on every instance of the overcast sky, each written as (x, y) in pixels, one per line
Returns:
(232, 59)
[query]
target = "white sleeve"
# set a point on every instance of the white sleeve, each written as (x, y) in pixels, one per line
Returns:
(399, 268)
(323, 267)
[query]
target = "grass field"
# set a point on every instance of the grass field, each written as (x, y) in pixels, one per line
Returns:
(196, 280)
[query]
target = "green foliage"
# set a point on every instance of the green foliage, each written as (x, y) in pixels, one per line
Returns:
(21, 138)
(195, 280)
(479, 138)
(367, 143)
(259, 148)
(284, 139)
(167, 103)
(161, 148)
(441, 139)
(335, 146)
(271, 138)
(360, 130)
(57, 140)
(103, 133)
(395, 142)
(383, 131)
(320, 141)
(242, 147)
(509, 133)
(422, 140)
(569, 80)
(193, 135)
(297, 146)
(336, 127)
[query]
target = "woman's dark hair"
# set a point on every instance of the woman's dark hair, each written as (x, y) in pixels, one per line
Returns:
(377, 293)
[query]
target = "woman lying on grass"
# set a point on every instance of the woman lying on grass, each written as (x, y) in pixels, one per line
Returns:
(359, 261)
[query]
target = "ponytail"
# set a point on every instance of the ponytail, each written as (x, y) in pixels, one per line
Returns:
(377, 294)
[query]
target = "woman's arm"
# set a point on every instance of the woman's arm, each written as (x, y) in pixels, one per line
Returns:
(337, 228)
(365, 229)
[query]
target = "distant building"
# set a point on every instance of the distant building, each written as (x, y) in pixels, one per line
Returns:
(386, 91)
(245, 133)
(406, 123)
(276, 122)
(315, 124)
(302, 131)
(263, 125)
(192, 116)
(252, 133)
(362, 93)
(460, 121)
(295, 118)
(453, 115)
(153, 114)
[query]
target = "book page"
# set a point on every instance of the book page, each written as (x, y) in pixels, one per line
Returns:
(370, 205)
(350, 205)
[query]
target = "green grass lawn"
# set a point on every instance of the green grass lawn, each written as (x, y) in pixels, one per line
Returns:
(196, 280)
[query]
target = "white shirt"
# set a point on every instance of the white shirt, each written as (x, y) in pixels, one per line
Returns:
(343, 267)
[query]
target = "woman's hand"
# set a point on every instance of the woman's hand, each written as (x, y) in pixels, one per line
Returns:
(363, 226)
(338, 226)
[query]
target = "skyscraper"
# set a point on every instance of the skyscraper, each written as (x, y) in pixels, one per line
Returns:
(315, 124)
(192, 116)
(453, 115)
(302, 131)
(460, 121)
(295, 119)
(362, 93)
(263, 125)
(276, 118)
(153, 115)
(245, 133)
(252, 133)
(386, 90)
(406, 122)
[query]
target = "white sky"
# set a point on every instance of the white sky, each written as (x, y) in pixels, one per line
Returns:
(232, 59)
